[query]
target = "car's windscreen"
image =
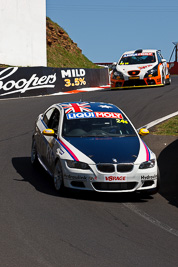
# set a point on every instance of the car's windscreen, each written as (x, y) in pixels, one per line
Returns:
(97, 127)
(137, 58)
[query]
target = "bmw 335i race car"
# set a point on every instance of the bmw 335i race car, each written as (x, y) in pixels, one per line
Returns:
(93, 146)
(140, 68)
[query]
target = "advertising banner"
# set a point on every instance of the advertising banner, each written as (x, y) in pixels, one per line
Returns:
(35, 81)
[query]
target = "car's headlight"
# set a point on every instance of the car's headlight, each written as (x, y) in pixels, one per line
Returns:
(153, 72)
(118, 75)
(147, 164)
(77, 165)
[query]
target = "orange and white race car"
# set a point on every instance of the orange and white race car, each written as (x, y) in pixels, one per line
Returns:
(140, 68)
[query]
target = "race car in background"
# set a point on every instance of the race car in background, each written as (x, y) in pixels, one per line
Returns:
(140, 68)
(93, 146)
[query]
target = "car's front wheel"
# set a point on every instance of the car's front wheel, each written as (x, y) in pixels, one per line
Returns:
(163, 79)
(34, 157)
(58, 177)
(168, 81)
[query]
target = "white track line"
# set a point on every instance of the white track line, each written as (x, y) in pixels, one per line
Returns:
(153, 123)
(141, 213)
(151, 219)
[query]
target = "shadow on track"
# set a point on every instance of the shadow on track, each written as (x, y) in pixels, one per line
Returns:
(42, 182)
(37, 177)
(168, 165)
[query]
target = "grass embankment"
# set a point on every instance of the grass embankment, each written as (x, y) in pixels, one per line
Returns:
(169, 127)
(59, 57)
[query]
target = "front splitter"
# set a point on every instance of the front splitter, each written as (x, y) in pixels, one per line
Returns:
(135, 87)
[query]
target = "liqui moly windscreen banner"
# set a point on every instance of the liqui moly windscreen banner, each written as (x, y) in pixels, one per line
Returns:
(35, 81)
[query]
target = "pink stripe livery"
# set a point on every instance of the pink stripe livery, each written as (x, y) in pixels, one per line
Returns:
(147, 152)
(68, 150)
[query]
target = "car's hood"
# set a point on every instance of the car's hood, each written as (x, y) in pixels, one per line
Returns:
(107, 150)
(141, 67)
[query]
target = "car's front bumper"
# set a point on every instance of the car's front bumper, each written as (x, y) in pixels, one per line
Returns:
(134, 180)
(135, 83)
(136, 86)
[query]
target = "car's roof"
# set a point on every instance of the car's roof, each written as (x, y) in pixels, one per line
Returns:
(89, 107)
(141, 51)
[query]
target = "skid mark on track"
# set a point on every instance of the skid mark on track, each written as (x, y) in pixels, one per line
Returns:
(151, 219)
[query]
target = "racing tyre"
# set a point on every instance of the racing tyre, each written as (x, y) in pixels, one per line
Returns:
(163, 79)
(168, 81)
(58, 177)
(34, 157)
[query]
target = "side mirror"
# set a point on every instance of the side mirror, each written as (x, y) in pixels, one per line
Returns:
(143, 131)
(48, 132)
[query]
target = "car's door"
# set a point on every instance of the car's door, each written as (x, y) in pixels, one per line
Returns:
(163, 63)
(51, 119)
(41, 125)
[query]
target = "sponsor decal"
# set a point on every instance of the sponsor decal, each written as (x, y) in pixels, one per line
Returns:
(80, 115)
(134, 78)
(138, 54)
(23, 85)
(145, 54)
(76, 107)
(67, 149)
(108, 115)
(144, 67)
(72, 75)
(124, 63)
(75, 177)
(105, 106)
(149, 177)
(83, 115)
(75, 82)
(60, 151)
(130, 55)
(115, 178)
(121, 121)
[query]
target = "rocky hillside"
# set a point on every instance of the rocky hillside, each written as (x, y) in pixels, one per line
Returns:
(62, 51)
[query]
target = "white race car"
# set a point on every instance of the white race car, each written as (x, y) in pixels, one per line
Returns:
(93, 146)
(140, 68)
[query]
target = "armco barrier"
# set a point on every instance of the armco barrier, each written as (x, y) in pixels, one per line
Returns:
(35, 81)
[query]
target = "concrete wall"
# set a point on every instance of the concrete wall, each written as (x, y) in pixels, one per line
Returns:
(23, 32)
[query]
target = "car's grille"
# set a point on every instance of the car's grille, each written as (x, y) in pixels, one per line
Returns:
(109, 168)
(133, 72)
(151, 82)
(124, 167)
(134, 82)
(114, 186)
(105, 167)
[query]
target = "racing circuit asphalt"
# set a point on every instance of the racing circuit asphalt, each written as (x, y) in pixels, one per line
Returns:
(41, 228)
